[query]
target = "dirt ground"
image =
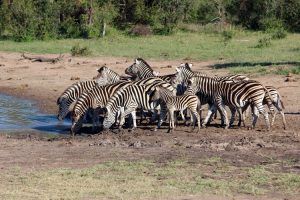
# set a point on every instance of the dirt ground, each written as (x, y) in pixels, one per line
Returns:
(44, 82)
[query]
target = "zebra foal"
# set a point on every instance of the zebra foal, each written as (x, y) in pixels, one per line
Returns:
(177, 103)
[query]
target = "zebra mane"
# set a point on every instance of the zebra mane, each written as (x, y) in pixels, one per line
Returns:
(187, 66)
(101, 69)
(143, 61)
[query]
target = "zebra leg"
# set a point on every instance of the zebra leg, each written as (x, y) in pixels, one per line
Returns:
(232, 119)
(262, 110)
(211, 110)
(162, 116)
(241, 117)
(221, 108)
(183, 117)
(171, 121)
(133, 114)
(279, 108)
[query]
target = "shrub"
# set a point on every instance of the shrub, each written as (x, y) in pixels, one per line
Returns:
(227, 35)
(141, 30)
(264, 42)
(274, 27)
(77, 50)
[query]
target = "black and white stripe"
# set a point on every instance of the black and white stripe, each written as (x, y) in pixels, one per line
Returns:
(67, 99)
(94, 99)
(177, 103)
(132, 97)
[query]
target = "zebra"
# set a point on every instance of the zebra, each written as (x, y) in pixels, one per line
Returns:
(95, 99)
(67, 99)
(235, 94)
(107, 76)
(184, 73)
(128, 99)
(140, 69)
(177, 103)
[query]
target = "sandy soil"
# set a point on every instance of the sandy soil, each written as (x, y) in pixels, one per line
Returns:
(44, 82)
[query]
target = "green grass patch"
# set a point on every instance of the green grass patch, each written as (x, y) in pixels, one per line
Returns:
(146, 179)
(263, 70)
(193, 45)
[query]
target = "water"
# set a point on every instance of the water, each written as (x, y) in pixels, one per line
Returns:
(16, 114)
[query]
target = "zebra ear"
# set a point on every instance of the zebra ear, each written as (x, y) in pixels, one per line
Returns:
(58, 101)
(177, 69)
(190, 65)
(137, 61)
(189, 82)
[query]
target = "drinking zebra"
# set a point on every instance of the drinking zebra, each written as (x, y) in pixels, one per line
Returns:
(67, 99)
(140, 69)
(94, 99)
(235, 95)
(177, 103)
(130, 98)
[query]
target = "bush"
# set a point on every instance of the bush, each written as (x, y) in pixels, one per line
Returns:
(227, 35)
(264, 42)
(278, 33)
(77, 50)
(141, 30)
(274, 27)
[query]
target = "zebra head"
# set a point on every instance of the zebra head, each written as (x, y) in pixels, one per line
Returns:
(63, 107)
(76, 121)
(183, 72)
(101, 78)
(154, 94)
(192, 86)
(140, 69)
(106, 76)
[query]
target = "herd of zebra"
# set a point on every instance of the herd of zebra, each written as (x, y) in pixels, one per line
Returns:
(114, 97)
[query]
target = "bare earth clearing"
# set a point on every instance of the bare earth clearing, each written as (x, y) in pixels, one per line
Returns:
(278, 150)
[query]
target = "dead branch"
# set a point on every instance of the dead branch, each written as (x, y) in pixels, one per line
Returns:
(43, 59)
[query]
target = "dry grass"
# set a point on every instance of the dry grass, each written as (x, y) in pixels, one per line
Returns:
(146, 180)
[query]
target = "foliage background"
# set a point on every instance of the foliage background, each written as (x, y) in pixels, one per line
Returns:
(25, 20)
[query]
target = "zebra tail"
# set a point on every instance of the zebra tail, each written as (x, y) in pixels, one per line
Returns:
(269, 100)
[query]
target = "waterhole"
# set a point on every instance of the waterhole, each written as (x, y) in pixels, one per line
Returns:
(21, 114)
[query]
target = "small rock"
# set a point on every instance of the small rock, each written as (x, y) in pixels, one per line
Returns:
(118, 62)
(136, 144)
(2, 65)
(9, 78)
(75, 78)
(290, 79)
